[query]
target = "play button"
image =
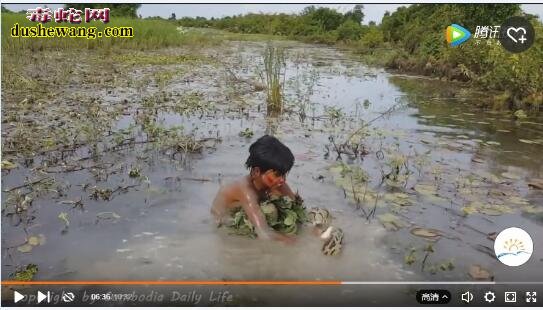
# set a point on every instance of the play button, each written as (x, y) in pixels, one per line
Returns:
(456, 34)
(18, 296)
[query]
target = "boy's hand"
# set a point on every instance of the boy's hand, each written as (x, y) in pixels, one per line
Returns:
(298, 199)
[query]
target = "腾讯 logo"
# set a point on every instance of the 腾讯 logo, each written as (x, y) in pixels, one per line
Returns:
(513, 246)
(456, 35)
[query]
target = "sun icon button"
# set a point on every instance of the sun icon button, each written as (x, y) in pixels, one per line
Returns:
(513, 246)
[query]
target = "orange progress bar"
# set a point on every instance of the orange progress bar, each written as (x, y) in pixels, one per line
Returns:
(171, 282)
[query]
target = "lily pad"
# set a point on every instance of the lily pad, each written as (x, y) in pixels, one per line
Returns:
(426, 189)
(487, 176)
(7, 165)
(490, 211)
(493, 143)
(34, 241)
(518, 200)
(25, 248)
(486, 209)
(469, 210)
(477, 160)
(511, 175)
(427, 233)
(479, 273)
(536, 183)
(399, 199)
(391, 221)
(532, 209)
(108, 216)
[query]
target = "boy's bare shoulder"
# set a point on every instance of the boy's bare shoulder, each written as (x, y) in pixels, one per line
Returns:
(237, 183)
(236, 188)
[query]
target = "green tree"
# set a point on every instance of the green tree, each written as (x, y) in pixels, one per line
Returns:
(350, 30)
(373, 38)
(327, 19)
(356, 14)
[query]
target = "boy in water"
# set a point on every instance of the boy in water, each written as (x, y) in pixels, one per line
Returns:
(269, 162)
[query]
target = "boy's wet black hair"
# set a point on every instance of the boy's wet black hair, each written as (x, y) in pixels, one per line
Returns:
(269, 153)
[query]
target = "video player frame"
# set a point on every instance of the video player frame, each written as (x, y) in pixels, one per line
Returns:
(277, 154)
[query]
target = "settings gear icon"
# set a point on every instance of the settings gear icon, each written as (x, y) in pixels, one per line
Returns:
(490, 296)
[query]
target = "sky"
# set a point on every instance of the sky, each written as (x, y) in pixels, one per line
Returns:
(373, 12)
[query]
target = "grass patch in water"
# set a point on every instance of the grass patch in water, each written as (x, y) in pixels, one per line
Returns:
(137, 59)
(274, 70)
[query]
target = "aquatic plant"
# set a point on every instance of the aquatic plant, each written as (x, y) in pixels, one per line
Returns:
(282, 214)
(274, 69)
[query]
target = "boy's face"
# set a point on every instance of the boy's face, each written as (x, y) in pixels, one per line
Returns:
(272, 179)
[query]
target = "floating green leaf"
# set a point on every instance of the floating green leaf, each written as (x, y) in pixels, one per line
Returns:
(426, 189)
(7, 165)
(532, 209)
(34, 240)
(486, 209)
(26, 274)
(511, 175)
(25, 248)
(399, 199)
(134, 173)
(493, 143)
(247, 133)
(108, 216)
(520, 114)
(63, 216)
(410, 258)
(427, 233)
(390, 221)
(447, 266)
(535, 183)
(518, 200)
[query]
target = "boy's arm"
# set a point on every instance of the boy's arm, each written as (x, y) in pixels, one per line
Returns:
(258, 219)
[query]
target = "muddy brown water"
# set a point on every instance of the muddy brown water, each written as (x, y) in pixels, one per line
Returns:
(164, 229)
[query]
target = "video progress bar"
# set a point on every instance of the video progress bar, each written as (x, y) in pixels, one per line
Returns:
(159, 283)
